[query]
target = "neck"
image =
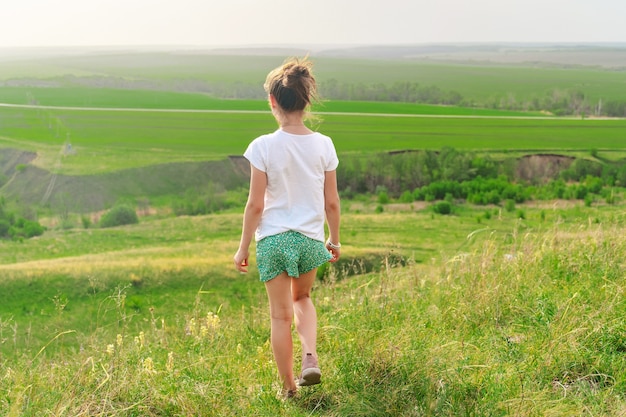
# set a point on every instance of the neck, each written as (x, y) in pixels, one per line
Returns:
(290, 119)
(292, 122)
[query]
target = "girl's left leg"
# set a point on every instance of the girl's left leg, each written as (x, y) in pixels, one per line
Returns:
(281, 313)
(306, 326)
(304, 311)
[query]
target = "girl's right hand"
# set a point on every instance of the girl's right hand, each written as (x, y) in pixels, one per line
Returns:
(336, 253)
(241, 260)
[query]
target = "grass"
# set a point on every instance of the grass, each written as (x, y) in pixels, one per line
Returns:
(105, 140)
(153, 99)
(524, 318)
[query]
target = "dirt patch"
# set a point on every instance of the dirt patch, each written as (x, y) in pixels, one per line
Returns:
(12, 158)
(541, 167)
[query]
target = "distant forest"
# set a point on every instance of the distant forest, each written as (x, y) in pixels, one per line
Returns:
(557, 102)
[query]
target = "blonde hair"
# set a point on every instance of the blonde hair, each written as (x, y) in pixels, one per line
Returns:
(292, 85)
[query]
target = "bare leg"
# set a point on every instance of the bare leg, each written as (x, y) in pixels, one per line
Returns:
(306, 326)
(281, 313)
(304, 311)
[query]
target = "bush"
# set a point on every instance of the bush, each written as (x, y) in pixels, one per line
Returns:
(32, 229)
(406, 197)
(86, 221)
(15, 227)
(119, 216)
(4, 227)
(442, 207)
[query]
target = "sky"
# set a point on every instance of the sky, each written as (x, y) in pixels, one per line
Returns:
(40, 23)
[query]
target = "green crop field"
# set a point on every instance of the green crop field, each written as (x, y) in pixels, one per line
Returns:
(88, 97)
(105, 140)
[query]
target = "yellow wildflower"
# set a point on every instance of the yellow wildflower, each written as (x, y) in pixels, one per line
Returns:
(170, 362)
(148, 365)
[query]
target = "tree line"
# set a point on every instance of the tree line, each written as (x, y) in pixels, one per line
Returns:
(479, 179)
(558, 102)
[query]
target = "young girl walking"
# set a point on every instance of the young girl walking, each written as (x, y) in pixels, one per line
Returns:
(293, 192)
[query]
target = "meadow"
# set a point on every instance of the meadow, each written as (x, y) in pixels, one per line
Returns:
(456, 317)
(484, 312)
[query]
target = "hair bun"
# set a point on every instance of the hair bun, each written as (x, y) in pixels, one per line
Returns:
(298, 70)
(292, 84)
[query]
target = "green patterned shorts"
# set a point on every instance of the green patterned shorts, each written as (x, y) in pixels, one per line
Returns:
(289, 251)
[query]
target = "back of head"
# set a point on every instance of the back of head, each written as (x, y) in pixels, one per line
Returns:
(292, 85)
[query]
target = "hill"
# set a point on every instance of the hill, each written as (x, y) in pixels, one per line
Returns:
(32, 186)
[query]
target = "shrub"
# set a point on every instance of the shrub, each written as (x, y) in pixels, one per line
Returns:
(509, 205)
(32, 229)
(4, 228)
(442, 207)
(119, 216)
(20, 229)
(86, 221)
(406, 197)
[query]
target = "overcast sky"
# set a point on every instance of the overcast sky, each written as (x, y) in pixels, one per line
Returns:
(299, 22)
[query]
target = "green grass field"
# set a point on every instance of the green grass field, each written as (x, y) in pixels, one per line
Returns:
(105, 140)
(146, 99)
(485, 312)
(502, 317)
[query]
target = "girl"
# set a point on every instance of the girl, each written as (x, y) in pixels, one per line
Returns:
(293, 191)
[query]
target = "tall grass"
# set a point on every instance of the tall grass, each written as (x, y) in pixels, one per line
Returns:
(530, 325)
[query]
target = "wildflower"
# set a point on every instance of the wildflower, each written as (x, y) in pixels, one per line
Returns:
(119, 340)
(170, 362)
(213, 321)
(148, 365)
(140, 340)
(110, 349)
(190, 329)
(204, 331)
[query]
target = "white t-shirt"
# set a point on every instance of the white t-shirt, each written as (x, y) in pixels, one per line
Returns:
(295, 166)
